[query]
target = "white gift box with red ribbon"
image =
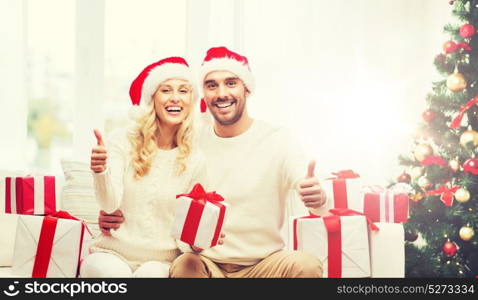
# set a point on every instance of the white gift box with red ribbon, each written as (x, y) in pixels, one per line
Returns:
(30, 195)
(343, 191)
(387, 251)
(339, 240)
(49, 246)
(199, 218)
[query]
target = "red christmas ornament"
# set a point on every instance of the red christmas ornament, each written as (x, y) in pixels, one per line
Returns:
(429, 115)
(451, 2)
(467, 31)
(404, 177)
(450, 47)
(471, 166)
(449, 249)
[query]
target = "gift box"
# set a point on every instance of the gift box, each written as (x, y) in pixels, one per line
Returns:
(343, 191)
(387, 251)
(199, 218)
(50, 246)
(339, 240)
(8, 224)
(31, 195)
(387, 205)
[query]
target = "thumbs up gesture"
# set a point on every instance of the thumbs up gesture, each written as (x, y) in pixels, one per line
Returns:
(98, 154)
(310, 191)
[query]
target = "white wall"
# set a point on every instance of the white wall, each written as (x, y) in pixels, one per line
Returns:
(13, 112)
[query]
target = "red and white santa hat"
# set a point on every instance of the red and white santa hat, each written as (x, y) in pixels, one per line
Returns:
(146, 83)
(223, 59)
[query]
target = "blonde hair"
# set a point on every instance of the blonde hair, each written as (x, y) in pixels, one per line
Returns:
(144, 141)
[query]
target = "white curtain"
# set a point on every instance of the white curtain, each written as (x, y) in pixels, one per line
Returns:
(349, 77)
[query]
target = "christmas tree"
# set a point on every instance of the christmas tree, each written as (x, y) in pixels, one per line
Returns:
(443, 164)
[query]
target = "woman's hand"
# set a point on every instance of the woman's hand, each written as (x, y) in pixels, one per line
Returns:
(98, 154)
(220, 242)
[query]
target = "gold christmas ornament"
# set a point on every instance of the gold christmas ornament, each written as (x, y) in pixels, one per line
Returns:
(416, 172)
(454, 165)
(466, 233)
(469, 137)
(456, 82)
(462, 195)
(424, 183)
(416, 197)
(422, 151)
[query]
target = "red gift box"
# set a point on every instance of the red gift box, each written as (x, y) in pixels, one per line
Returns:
(30, 195)
(387, 205)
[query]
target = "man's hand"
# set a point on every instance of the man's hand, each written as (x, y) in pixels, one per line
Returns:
(220, 242)
(310, 191)
(107, 222)
(98, 154)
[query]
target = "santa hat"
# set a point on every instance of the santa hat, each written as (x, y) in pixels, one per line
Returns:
(223, 59)
(145, 85)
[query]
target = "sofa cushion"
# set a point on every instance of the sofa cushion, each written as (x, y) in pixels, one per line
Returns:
(78, 193)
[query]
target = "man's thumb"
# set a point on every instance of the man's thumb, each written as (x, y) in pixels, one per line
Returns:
(310, 169)
(99, 138)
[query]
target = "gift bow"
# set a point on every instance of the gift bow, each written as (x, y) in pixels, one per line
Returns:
(340, 212)
(344, 174)
(446, 194)
(434, 160)
(457, 121)
(199, 194)
(45, 242)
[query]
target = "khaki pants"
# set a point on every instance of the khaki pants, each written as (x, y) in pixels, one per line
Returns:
(281, 264)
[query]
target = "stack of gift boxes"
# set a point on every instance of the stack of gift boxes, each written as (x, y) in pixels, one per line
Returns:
(48, 243)
(359, 232)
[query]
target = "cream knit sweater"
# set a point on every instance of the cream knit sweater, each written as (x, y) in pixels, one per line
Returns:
(254, 172)
(148, 204)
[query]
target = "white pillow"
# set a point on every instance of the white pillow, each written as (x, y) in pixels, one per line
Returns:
(78, 193)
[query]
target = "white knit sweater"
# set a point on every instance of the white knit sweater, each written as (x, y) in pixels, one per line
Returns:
(254, 172)
(148, 204)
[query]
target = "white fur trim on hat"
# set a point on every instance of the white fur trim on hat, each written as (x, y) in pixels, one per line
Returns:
(162, 73)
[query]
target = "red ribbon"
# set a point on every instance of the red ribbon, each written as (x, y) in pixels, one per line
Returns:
(457, 121)
(339, 185)
(199, 198)
(334, 236)
(464, 46)
(8, 193)
(198, 193)
(45, 243)
(434, 160)
(446, 194)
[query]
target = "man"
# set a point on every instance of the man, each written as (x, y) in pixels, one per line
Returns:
(253, 165)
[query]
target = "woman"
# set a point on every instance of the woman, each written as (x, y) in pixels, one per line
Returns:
(142, 170)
